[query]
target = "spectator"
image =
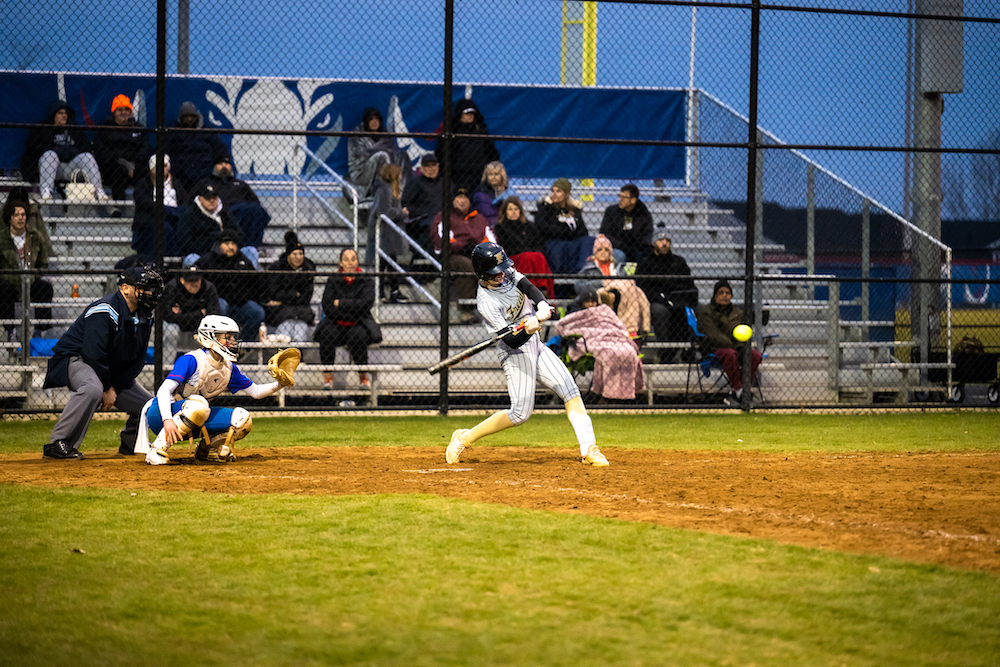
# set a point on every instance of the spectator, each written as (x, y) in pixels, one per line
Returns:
(238, 292)
(621, 294)
(186, 299)
(121, 154)
(560, 219)
(289, 306)
(386, 191)
(469, 155)
(347, 322)
(468, 229)
(56, 151)
(201, 222)
(99, 358)
(629, 224)
(668, 296)
(422, 199)
(368, 151)
(617, 368)
(245, 209)
(22, 249)
(491, 192)
(19, 194)
(599, 266)
(144, 222)
(716, 320)
(523, 243)
(193, 153)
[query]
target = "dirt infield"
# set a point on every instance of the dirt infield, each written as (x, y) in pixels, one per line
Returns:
(927, 507)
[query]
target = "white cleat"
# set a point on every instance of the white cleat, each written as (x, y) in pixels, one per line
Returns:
(157, 457)
(595, 458)
(456, 446)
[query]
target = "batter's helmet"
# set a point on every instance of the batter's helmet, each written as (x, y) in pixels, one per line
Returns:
(489, 259)
(148, 282)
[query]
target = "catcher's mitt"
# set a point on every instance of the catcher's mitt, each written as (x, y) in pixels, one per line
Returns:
(282, 366)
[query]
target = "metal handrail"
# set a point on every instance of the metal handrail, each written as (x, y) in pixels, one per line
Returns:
(337, 177)
(396, 267)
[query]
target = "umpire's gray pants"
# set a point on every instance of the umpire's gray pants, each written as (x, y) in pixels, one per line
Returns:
(86, 398)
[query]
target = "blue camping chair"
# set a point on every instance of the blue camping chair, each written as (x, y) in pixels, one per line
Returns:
(709, 363)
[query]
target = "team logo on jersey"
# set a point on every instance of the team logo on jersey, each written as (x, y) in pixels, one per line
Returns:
(515, 310)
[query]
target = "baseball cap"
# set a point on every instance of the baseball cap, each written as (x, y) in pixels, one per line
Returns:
(191, 272)
(208, 190)
(152, 161)
(430, 158)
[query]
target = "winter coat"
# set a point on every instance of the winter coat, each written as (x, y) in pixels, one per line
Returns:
(36, 255)
(467, 232)
(196, 231)
(680, 291)
(564, 223)
(109, 339)
(355, 298)
(192, 155)
(235, 288)
(192, 305)
(35, 220)
(717, 323)
(361, 148)
(631, 232)
(42, 139)
(145, 206)
(617, 367)
(422, 198)
(112, 145)
(516, 237)
(469, 155)
(488, 203)
(293, 288)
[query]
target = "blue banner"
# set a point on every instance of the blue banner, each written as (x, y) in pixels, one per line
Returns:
(318, 104)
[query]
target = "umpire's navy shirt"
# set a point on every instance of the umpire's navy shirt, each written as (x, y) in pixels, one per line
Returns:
(109, 338)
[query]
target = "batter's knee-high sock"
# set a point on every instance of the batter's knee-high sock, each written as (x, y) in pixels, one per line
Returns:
(495, 423)
(582, 426)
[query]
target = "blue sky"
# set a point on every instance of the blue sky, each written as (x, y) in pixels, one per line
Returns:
(823, 78)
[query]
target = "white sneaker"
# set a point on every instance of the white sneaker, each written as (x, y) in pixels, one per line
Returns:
(157, 457)
(102, 195)
(46, 196)
(595, 458)
(456, 446)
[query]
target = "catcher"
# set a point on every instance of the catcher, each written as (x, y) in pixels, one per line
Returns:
(198, 377)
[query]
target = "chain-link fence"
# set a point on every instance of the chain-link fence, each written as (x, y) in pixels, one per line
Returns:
(833, 166)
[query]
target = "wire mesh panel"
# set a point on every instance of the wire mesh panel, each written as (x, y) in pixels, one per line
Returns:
(327, 171)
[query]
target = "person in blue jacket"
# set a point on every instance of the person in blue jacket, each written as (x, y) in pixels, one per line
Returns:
(99, 358)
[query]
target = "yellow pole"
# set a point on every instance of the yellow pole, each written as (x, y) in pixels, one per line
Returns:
(579, 40)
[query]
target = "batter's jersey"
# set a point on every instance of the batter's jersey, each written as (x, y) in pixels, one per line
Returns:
(503, 305)
(198, 372)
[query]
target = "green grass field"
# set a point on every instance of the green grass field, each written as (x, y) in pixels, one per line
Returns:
(110, 577)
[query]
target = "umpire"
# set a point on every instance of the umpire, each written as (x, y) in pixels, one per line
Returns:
(99, 357)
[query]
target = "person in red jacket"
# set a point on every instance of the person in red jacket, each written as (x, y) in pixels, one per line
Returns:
(468, 229)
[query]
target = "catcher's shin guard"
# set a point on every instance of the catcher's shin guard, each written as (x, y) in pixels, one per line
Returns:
(219, 448)
(193, 414)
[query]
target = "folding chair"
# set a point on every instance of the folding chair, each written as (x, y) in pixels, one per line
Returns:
(707, 363)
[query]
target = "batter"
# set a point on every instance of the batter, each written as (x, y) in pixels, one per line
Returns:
(508, 301)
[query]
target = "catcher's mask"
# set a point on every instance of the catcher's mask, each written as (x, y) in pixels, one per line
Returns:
(220, 334)
(490, 260)
(147, 282)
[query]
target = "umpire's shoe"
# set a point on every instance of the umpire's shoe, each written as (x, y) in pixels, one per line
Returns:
(62, 451)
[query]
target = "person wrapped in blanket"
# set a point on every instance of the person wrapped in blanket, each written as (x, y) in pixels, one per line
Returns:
(198, 377)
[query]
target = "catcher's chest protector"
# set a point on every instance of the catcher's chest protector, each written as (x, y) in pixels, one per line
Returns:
(212, 378)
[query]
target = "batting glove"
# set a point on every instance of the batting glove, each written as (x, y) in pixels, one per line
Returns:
(543, 311)
(531, 324)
